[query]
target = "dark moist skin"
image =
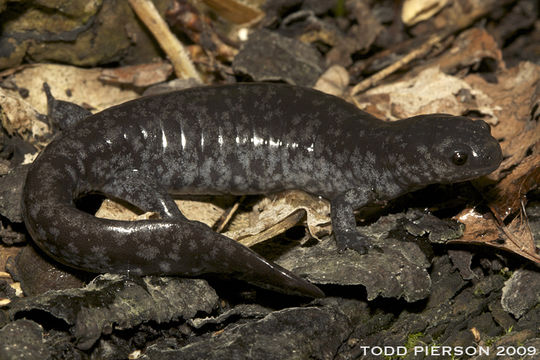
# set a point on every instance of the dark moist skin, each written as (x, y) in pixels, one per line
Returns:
(233, 139)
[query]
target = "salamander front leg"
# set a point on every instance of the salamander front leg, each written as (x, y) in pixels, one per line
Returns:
(344, 222)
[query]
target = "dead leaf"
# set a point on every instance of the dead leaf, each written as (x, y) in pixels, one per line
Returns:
(414, 11)
(69, 83)
(469, 50)
(509, 193)
(432, 91)
(515, 94)
(278, 213)
(21, 118)
(112, 210)
(209, 44)
(274, 229)
(138, 75)
(516, 237)
(206, 212)
(334, 81)
(457, 15)
(235, 11)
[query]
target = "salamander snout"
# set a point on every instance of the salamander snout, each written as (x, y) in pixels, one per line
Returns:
(488, 150)
(493, 154)
(483, 125)
(478, 153)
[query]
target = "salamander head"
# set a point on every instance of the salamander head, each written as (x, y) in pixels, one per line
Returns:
(440, 148)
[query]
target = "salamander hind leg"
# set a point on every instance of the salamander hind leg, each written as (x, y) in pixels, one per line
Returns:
(143, 193)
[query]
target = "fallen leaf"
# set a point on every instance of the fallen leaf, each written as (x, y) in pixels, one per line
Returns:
(432, 91)
(515, 95)
(113, 210)
(414, 11)
(515, 237)
(235, 11)
(469, 50)
(278, 213)
(141, 75)
(21, 118)
(208, 44)
(273, 229)
(509, 193)
(69, 83)
(333, 81)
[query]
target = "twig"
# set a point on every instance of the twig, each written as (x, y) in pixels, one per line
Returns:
(175, 51)
(469, 16)
(377, 77)
(224, 220)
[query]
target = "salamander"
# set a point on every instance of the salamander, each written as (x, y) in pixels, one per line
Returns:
(253, 138)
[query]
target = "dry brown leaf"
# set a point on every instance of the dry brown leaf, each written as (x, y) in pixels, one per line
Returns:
(516, 94)
(21, 118)
(112, 210)
(69, 83)
(278, 213)
(334, 81)
(458, 15)
(515, 238)
(208, 44)
(414, 11)
(203, 211)
(273, 229)
(141, 75)
(432, 91)
(468, 50)
(235, 11)
(509, 194)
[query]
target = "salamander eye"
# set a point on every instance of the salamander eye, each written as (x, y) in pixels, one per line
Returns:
(459, 158)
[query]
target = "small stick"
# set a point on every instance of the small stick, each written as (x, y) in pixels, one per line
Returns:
(376, 78)
(479, 9)
(175, 51)
(224, 220)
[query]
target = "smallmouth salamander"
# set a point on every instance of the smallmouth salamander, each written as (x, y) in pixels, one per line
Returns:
(233, 139)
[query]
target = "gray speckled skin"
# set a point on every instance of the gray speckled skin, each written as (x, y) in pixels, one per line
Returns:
(234, 139)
